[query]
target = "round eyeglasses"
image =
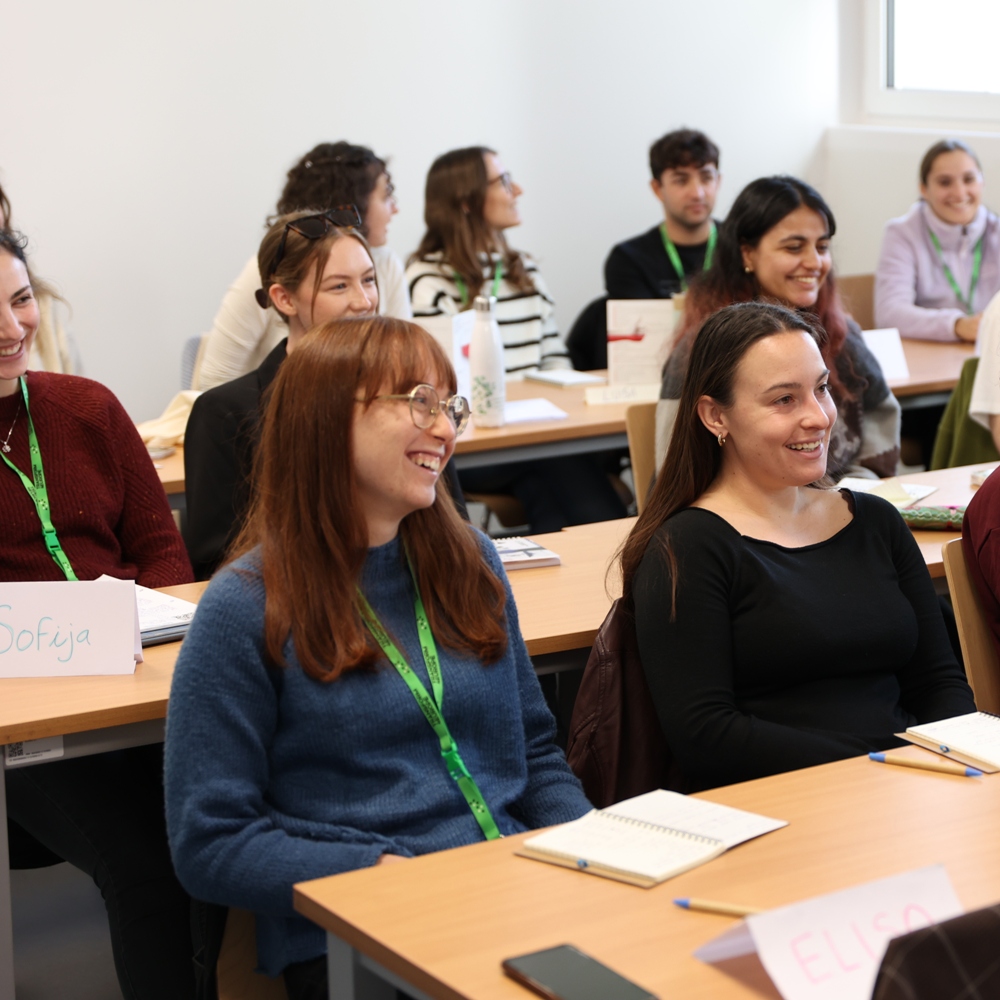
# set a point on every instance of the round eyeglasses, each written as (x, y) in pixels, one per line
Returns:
(426, 404)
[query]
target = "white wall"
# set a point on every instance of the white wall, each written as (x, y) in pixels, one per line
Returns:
(142, 145)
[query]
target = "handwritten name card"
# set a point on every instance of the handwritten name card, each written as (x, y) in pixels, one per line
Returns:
(64, 628)
(830, 947)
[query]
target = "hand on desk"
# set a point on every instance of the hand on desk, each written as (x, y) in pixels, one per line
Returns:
(390, 859)
(967, 327)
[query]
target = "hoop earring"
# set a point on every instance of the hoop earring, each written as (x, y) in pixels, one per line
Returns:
(721, 438)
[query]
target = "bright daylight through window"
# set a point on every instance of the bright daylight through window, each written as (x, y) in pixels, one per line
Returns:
(920, 56)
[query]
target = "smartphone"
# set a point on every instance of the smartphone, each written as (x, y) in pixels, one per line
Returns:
(565, 973)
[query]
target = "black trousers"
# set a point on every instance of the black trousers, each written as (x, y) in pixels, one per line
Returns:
(104, 815)
(555, 492)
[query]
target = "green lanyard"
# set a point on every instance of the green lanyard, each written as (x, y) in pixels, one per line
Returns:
(431, 705)
(675, 258)
(38, 493)
(977, 259)
(464, 291)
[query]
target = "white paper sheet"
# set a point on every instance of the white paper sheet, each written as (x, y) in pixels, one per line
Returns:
(707, 819)
(900, 495)
(519, 411)
(640, 338)
(888, 350)
(830, 947)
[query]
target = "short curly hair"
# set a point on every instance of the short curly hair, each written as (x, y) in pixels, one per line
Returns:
(329, 175)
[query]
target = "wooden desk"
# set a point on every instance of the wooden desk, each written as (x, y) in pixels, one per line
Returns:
(850, 822)
(171, 472)
(934, 371)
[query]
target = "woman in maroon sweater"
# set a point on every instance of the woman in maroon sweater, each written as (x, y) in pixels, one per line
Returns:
(102, 813)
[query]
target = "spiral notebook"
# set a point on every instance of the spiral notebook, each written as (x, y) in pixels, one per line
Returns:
(647, 839)
(973, 739)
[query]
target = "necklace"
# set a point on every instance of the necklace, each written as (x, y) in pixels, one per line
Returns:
(6, 441)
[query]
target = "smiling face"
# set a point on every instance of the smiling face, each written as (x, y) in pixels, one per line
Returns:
(688, 194)
(347, 289)
(792, 259)
(954, 188)
(500, 206)
(18, 321)
(381, 209)
(778, 426)
(397, 464)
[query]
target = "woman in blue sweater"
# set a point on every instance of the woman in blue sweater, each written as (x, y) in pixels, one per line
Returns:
(306, 731)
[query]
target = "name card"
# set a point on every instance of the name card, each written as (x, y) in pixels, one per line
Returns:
(640, 337)
(830, 947)
(888, 350)
(454, 334)
(68, 628)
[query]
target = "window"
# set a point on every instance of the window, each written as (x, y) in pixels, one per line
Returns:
(926, 60)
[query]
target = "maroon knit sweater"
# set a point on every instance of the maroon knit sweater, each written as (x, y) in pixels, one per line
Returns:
(108, 505)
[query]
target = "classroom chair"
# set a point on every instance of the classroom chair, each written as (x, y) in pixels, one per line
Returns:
(640, 425)
(957, 959)
(981, 665)
(237, 960)
(587, 341)
(857, 292)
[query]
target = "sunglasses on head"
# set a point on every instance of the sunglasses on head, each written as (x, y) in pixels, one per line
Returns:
(312, 227)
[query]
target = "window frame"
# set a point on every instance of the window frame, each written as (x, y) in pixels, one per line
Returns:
(886, 102)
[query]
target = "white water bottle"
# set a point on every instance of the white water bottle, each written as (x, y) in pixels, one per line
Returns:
(486, 365)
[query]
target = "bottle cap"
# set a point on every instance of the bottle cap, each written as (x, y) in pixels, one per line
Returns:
(484, 303)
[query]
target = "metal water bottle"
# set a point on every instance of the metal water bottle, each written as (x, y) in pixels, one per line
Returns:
(486, 365)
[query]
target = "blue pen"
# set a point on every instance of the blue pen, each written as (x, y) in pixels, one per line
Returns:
(711, 906)
(943, 766)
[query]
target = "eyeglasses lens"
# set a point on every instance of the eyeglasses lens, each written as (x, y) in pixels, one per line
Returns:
(425, 405)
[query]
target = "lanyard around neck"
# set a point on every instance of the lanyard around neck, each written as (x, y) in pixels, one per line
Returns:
(39, 494)
(463, 290)
(429, 704)
(675, 258)
(977, 259)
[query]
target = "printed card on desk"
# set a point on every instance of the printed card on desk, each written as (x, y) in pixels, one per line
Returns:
(454, 334)
(888, 350)
(640, 338)
(830, 947)
(66, 629)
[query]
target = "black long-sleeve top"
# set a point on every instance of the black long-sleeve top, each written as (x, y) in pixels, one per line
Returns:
(780, 658)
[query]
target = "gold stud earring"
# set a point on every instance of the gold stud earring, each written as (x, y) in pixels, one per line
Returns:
(748, 269)
(721, 438)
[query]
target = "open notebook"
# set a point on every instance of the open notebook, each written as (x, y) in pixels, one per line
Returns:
(647, 839)
(973, 739)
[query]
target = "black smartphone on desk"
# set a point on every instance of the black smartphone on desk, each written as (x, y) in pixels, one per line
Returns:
(565, 973)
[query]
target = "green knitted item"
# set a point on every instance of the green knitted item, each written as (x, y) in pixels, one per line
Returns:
(934, 518)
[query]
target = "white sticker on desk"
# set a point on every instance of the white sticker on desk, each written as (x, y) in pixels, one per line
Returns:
(830, 947)
(32, 751)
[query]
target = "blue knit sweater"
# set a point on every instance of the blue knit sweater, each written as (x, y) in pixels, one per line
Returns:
(273, 778)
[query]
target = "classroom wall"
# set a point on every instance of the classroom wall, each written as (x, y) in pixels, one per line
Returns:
(142, 145)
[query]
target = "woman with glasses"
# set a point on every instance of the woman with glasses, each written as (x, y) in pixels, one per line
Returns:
(81, 499)
(470, 201)
(361, 628)
(331, 175)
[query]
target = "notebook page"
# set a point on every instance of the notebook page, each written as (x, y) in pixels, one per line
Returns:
(629, 847)
(977, 733)
(707, 819)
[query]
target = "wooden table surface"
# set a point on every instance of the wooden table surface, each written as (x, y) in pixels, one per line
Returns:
(934, 367)
(849, 822)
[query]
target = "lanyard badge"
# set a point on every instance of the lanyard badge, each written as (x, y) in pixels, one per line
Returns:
(675, 258)
(977, 259)
(463, 290)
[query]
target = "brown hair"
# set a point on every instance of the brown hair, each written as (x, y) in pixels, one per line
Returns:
(758, 208)
(453, 211)
(5, 222)
(332, 174)
(300, 255)
(693, 457)
(939, 149)
(305, 515)
(683, 148)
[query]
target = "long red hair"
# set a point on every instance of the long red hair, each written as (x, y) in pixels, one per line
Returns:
(305, 516)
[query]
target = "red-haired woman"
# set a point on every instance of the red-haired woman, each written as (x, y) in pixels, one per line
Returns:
(306, 715)
(775, 246)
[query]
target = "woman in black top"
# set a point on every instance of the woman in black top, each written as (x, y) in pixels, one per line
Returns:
(781, 624)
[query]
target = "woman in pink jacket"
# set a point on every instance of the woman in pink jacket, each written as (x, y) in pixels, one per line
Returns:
(940, 263)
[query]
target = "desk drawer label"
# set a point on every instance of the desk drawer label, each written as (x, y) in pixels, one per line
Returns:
(32, 751)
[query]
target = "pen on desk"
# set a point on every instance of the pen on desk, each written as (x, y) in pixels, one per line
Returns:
(709, 906)
(944, 766)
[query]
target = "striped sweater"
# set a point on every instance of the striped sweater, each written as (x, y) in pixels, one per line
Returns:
(526, 319)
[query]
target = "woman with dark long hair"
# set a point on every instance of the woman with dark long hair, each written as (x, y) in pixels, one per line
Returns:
(780, 623)
(470, 202)
(775, 246)
(308, 733)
